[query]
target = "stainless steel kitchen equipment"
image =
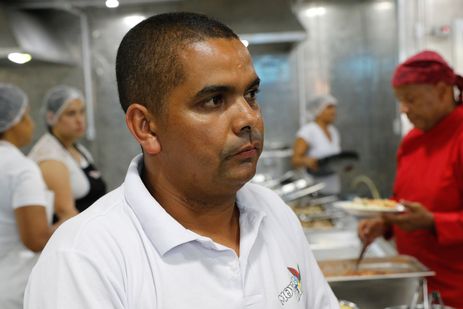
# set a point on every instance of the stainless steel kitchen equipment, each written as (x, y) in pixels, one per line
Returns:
(336, 164)
(298, 189)
(378, 283)
(433, 301)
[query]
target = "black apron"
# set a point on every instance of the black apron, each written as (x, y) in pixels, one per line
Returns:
(97, 186)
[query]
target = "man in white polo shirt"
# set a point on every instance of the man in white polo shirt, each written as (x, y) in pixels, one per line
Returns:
(185, 229)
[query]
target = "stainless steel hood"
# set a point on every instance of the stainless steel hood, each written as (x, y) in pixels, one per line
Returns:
(257, 21)
(31, 32)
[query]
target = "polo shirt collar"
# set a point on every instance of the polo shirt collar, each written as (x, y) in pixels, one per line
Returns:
(164, 232)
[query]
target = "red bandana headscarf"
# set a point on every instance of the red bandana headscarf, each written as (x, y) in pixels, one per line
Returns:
(427, 67)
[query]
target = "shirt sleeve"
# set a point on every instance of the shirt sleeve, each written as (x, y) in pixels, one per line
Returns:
(305, 133)
(74, 281)
(29, 187)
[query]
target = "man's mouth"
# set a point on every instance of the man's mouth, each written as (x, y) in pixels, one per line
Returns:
(247, 151)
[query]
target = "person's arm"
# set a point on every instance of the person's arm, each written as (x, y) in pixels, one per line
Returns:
(33, 227)
(299, 159)
(57, 178)
(28, 202)
(447, 226)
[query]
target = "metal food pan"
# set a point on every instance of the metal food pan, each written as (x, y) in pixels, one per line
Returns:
(396, 286)
(391, 267)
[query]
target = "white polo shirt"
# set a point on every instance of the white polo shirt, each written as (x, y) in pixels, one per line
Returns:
(126, 251)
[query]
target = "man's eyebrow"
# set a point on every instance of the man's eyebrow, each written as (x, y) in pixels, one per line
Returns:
(208, 90)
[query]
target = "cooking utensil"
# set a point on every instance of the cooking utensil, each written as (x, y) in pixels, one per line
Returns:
(338, 163)
(360, 257)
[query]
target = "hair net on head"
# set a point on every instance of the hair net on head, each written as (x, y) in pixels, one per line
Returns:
(57, 99)
(318, 104)
(13, 104)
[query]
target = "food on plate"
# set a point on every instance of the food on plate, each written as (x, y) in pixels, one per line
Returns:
(377, 203)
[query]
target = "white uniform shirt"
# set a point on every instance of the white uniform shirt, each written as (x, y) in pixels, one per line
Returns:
(21, 184)
(49, 148)
(126, 251)
(320, 146)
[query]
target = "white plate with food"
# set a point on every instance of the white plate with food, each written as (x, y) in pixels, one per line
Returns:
(364, 207)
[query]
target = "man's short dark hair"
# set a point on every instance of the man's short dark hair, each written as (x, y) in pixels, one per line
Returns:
(147, 63)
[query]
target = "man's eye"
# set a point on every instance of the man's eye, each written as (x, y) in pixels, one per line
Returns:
(215, 101)
(251, 96)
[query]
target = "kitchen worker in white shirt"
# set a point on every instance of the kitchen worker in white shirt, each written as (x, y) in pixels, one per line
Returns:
(66, 165)
(185, 229)
(318, 139)
(25, 211)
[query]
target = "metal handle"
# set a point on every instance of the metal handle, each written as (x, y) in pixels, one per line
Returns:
(419, 290)
(301, 193)
(425, 294)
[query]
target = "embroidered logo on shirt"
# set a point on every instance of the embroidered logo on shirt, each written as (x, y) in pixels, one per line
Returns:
(294, 288)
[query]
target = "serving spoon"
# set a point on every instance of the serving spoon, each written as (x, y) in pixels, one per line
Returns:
(361, 255)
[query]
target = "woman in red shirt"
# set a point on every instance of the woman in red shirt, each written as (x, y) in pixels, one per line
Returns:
(429, 176)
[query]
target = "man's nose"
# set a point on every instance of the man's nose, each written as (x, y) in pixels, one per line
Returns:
(246, 118)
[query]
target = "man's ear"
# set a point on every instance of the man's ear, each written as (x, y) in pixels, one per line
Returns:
(140, 123)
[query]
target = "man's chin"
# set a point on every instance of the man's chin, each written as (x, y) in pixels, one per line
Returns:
(245, 175)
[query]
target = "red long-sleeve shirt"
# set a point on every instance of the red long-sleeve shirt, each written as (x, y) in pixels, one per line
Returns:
(430, 171)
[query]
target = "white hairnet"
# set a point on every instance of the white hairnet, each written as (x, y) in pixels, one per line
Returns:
(57, 99)
(318, 104)
(13, 104)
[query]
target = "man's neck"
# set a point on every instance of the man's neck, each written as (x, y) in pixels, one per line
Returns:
(216, 217)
